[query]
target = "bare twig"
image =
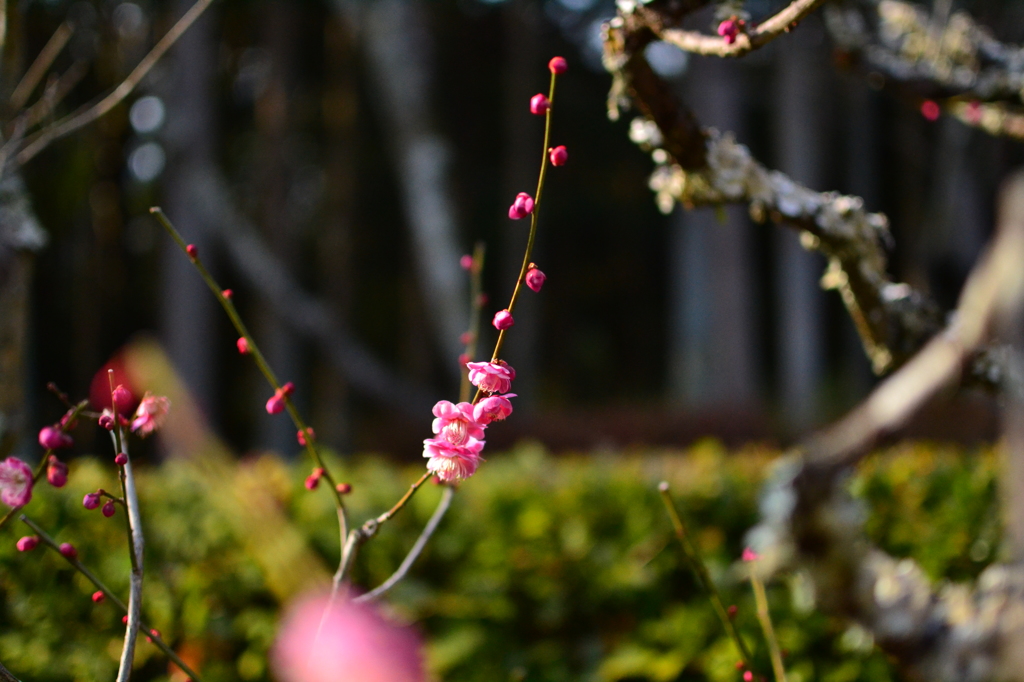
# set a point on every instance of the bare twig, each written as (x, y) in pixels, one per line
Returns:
(417, 548)
(782, 22)
(42, 62)
(6, 675)
(764, 616)
(955, 634)
(90, 113)
(91, 577)
(701, 570)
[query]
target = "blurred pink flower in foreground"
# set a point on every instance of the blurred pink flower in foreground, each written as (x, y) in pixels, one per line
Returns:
(15, 482)
(150, 415)
(355, 644)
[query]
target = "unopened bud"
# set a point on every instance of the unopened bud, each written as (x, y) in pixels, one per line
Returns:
(121, 459)
(123, 398)
(539, 104)
(52, 438)
(68, 550)
(227, 293)
(107, 421)
(344, 488)
(192, 251)
(466, 262)
(558, 65)
(535, 278)
(28, 543)
(502, 320)
(98, 596)
(108, 509)
(243, 345)
(91, 501)
(559, 155)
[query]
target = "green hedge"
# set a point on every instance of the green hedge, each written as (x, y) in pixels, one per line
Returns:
(545, 568)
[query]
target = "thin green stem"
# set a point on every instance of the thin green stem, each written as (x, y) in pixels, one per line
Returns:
(764, 616)
(91, 577)
(701, 570)
(255, 352)
(45, 460)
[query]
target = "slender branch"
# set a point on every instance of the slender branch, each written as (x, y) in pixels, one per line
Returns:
(697, 564)
(417, 548)
(765, 32)
(101, 586)
(765, 618)
(42, 62)
(6, 675)
(73, 122)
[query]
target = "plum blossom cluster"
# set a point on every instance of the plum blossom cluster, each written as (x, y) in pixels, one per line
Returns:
(454, 452)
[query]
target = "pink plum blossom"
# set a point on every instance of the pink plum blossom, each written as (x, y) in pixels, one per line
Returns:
(452, 463)
(491, 377)
(15, 482)
(456, 423)
(344, 642)
(521, 207)
(493, 408)
(535, 278)
(150, 415)
(729, 29)
(466, 262)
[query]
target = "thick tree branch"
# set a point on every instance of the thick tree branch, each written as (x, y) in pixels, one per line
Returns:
(809, 521)
(782, 22)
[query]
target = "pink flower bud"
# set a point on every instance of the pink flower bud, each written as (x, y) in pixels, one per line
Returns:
(539, 104)
(930, 110)
(106, 420)
(152, 633)
(558, 65)
(502, 320)
(466, 262)
(559, 155)
(288, 388)
(91, 501)
(275, 404)
(192, 251)
(121, 459)
(344, 488)
(108, 509)
(56, 472)
(301, 436)
(123, 398)
(52, 438)
(521, 207)
(748, 676)
(313, 480)
(228, 294)
(243, 345)
(535, 278)
(28, 543)
(729, 29)
(98, 596)
(68, 550)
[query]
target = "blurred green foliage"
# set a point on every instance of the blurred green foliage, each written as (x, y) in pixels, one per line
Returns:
(545, 568)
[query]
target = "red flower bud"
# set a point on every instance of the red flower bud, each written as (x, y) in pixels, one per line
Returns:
(52, 438)
(227, 293)
(539, 104)
(558, 155)
(91, 501)
(301, 436)
(192, 251)
(123, 398)
(108, 509)
(28, 543)
(344, 488)
(56, 472)
(107, 421)
(243, 345)
(535, 278)
(558, 65)
(68, 550)
(121, 459)
(98, 596)
(502, 320)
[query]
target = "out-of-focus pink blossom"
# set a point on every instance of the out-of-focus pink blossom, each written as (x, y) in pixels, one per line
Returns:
(68, 550)
(123, 398)
(535, 278)
(750, 555)
(106, 420)
(192, 251)
(228, 294)
(456, 423)
(503, 320)
(494, 408)
(452, 463)
(151, 414)
(313, 480)
(56, 472)
(930, 110)
(243, 345)
(344, 488)
(28, 543)
(15, 482)
(729, 29)
(559, 156)
(275, 403)
(98, 596)
(558, 65)
(539, 104)
(521, 207)
(52, 438)
(466, 262)
(301, 436)
(344, 642)
(491, 377)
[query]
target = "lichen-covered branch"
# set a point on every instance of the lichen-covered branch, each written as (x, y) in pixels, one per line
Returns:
(942, 57)
(744, 41)
(959, 632)
(702, 166)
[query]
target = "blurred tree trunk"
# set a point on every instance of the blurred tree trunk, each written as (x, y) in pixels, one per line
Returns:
(713, 326)
(273, 179)
(188, 309)
(800, 113)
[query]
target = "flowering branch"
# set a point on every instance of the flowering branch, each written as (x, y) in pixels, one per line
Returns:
(72, 558)
(735, 40)
(73, 122)
(960, 633)
(417, 548)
